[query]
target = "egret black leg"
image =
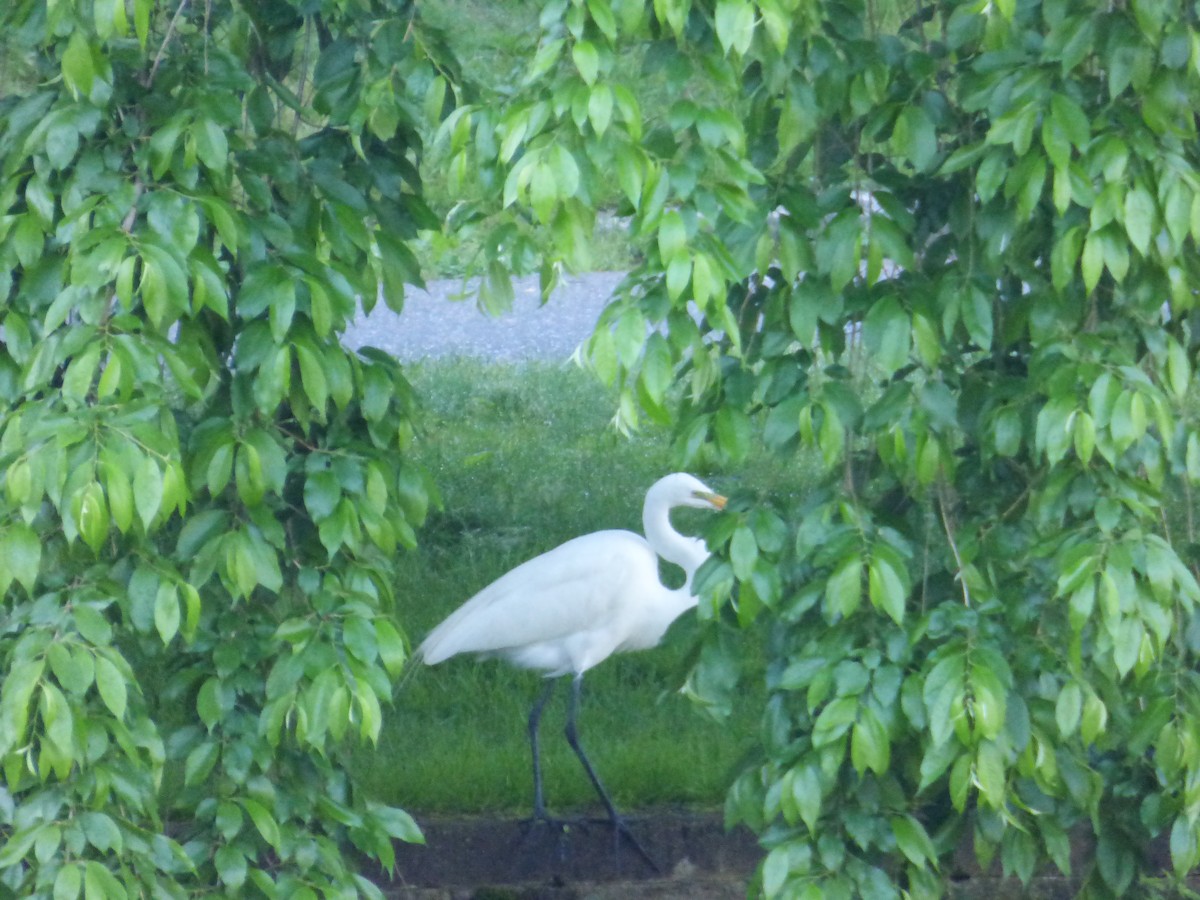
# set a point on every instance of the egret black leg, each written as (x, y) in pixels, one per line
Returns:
(535, 718)
(619, 827)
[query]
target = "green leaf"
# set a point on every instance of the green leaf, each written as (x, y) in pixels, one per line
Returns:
(80, 374)
(1127, 644)
(734, 432)
(775, 870)
(120, 496)
(886, 587)
(166, 611)
(15, 693)
(112, 686)
(960, 782)
(358, 635)
(392, 650)
(990, 774)
(74, 671)
(1094, 719)
(212, 147)
(735, 25)
(843, 590)
(913, 841)
(743, 553)
(263, 821)
(249, 474)
(587, 60)
(78, 67)
(1092, 261)
(806, 792)
(1185, 849)
(91, 515)
(209, 704)
(101, 831)
(101, 884)
(1068, 709)
(679, 273)
(58, 720)
(915, 138)
(834, 721)
(200, 762)
(600, 107)
(1056, 143)
(887, 333)
(231, 866)
(1071, 117)
(312, 377)
(397, 823)
(990, 174)
(870, 747)
(543, 191)
(1179, 369)
(147, 490)
(22, 554)
(68, 882)
(1140, 217)
(672, 235)
(630, 335)
(62, 142)
(707, 285)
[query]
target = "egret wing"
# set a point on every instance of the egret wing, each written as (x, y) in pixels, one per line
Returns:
(562, 592)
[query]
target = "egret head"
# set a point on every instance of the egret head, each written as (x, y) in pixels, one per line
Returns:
(681, 489)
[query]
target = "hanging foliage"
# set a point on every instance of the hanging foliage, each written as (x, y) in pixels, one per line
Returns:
(944, 254)
(200, 488)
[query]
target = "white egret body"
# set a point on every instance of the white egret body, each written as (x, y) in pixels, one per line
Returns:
(574, 606)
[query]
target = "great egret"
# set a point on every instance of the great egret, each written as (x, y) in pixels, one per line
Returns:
(572, 607)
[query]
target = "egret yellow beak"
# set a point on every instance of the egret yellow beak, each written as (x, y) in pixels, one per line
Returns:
(716, 500)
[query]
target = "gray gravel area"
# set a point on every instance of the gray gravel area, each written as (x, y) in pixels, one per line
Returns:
(435, 324)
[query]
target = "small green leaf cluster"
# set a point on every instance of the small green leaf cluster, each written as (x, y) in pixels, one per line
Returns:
(943, 254)
(201, 490)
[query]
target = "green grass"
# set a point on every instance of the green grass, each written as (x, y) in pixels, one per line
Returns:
(525, 460)
(492, 39)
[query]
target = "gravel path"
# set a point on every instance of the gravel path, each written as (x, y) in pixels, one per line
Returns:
(433, 324)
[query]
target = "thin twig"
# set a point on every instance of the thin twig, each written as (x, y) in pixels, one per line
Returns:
(925, 564)
(1191, 514)
(1008, 511)
(308, 21)
(946, 524)
(848, 466)
(1166, 524)
(131, 217)
(162, 49)
(207, 33)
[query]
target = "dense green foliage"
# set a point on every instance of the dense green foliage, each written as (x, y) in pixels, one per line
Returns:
(951, 247)
(202, 490)
(946, 247)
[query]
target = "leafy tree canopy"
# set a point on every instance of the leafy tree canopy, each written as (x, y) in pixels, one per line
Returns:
(944, 253)
(941, 252)
(202, 490)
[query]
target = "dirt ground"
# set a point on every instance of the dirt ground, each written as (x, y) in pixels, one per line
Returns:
(484, 859)
(695, 859)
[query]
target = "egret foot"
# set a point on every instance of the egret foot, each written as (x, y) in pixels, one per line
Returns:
(553, 823)
(540, 829)
(621, 829)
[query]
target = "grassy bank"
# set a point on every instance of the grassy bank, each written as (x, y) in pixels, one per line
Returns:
(525, 460)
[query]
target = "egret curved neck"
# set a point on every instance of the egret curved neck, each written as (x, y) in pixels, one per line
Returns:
(686, 552)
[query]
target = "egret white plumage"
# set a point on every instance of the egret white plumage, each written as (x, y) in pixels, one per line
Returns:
(572, 607)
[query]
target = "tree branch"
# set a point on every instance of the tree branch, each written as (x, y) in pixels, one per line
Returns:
(162, 49)
(949, 528)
